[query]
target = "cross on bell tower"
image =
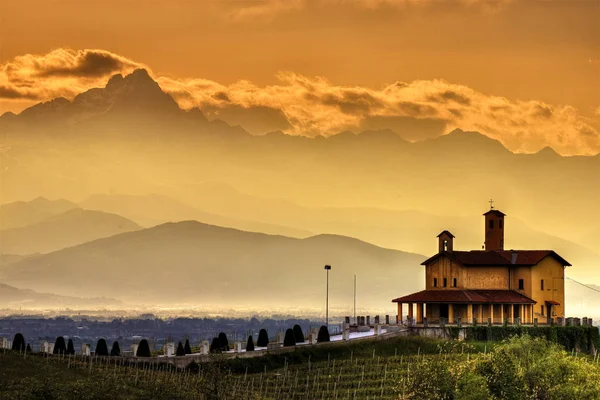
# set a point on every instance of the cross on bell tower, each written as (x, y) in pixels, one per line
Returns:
(491, 204)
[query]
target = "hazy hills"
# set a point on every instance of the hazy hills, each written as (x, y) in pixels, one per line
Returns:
(67, 229)
(130, 137)
(22, 213)
(13, 298)
(194, 263)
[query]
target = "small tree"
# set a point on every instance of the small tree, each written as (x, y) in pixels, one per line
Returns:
(323, 335)
(70, 347)
(143, 349)
(250, 344)
(115, 351)
(28, 348)
(298, 334)
(180, 351)
(19, 343)
(263, 338)
(215, 346)
(60, 346)
(223, 342)
(101, 348)
(186, 347)
(289, 339)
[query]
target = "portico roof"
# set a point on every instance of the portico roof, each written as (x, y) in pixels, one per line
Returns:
(465, 296)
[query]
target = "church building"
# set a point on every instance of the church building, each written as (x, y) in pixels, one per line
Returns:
(493, 283)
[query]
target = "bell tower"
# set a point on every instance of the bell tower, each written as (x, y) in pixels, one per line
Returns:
(445, 242)
(494, 229)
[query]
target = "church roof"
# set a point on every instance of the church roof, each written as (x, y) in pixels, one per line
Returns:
(466, 296)
(495, 212)
(516, 258)
(447, 233)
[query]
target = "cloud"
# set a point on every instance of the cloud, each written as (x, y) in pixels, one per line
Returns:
(62, 72)
(250, 10)
(311, 106)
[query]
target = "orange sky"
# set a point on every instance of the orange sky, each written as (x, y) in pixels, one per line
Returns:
(522, 53)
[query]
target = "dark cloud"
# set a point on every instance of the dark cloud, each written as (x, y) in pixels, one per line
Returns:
(221, 96)
(450, 95)
(542, 111)
(416, 109)
(407, 127)
(352, 102)
(89, 63)
(13, 94)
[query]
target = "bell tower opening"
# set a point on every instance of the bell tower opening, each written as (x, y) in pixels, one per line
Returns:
(446, 242)
(494, 229)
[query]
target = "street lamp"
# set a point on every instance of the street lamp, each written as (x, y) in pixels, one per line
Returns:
(327, 268)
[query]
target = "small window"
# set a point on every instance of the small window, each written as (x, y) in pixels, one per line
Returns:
(445, 282)
(445, 245)
(491, 224)
(521, 284)
(542, 284)
(500, 224)
(434, 282)
(542, 309)
(454, 282)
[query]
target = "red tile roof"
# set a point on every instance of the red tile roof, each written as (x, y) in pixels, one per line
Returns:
(509, 258)
(552, 302)
(466, 296)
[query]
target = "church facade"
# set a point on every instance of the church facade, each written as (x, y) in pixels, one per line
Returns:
(492, 284)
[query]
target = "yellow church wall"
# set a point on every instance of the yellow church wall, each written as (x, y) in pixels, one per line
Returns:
(553, 275)
(442, 268)
(486, 278)
(521, 273)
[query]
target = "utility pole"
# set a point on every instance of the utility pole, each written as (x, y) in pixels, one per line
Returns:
(355, 298)
(327, 269)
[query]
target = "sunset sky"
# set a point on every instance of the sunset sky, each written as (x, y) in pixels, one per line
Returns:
(524, 72)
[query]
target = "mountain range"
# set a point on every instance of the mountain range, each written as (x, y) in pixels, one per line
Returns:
(109, 148)
(194, 263)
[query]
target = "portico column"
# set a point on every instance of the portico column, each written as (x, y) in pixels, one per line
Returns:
(480, 314)
(399, 313)
(522, 313)
(492, 313)
(410, 310)
(419, 313)
(502, 314)
(511, 317)
(469, 313)
(450, 313)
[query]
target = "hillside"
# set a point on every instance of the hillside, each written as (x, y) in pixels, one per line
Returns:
(153, 209)
(14, 298)
(22, 213)
(63, 230)
(194, 263)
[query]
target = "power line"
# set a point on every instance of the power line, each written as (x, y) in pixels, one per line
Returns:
(583, 284)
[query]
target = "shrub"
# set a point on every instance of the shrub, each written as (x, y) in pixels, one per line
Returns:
(186, 348)
(298, 334)
(101, 348)
(180, 350)
(223, 342)
(323, 335)
(70, 347)
(215, 346)
(289, 339)
(18, 343)
(263, 338)
(143, 349)
(28, 350)
(60, 347)
(471, 386)
(115, 351)
(250, 344)
(430, 379)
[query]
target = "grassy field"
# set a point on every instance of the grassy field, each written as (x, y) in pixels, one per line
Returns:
(400, 368)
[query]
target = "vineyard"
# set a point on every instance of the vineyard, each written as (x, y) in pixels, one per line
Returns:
(407, 368)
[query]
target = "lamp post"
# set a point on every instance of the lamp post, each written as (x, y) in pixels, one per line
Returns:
(327, 268)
